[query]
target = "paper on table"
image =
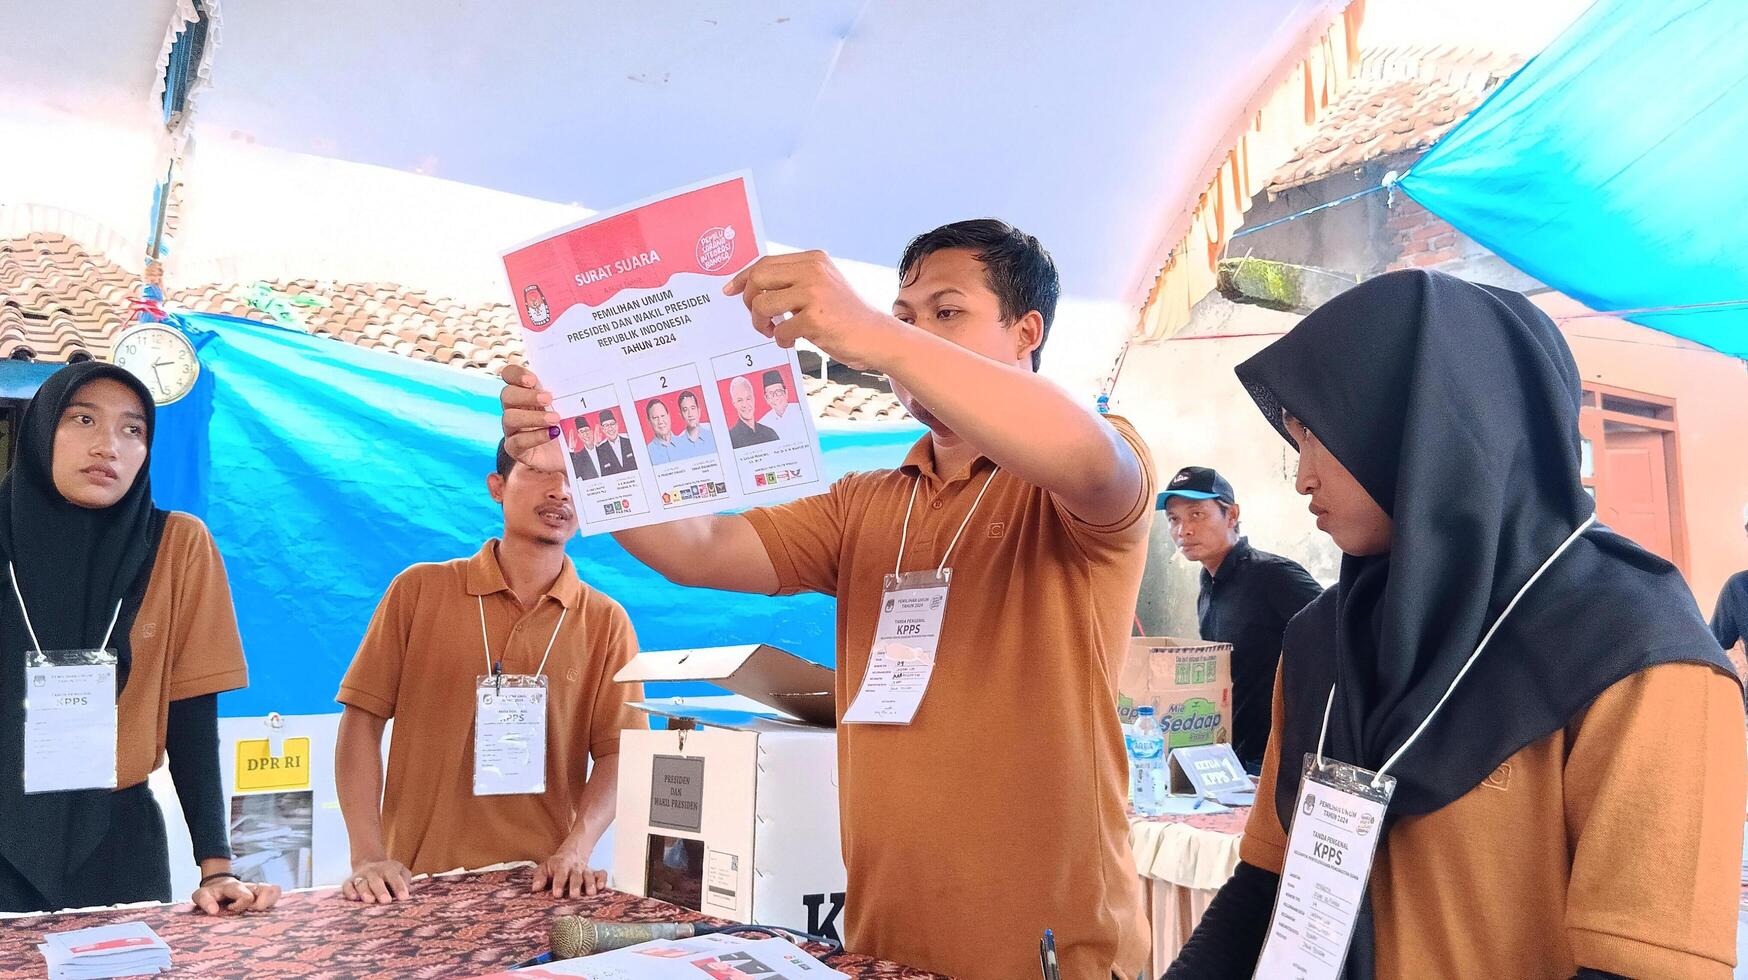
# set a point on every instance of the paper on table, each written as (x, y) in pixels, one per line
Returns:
(1182, 806)
(671, 404)
(689, 959)
(126, 950)
(1237, 797)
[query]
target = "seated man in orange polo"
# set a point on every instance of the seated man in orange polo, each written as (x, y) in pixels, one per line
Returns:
(498, 672)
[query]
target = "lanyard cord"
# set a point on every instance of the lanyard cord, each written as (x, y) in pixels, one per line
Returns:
(486, 643)
(107, 634)
(1485, 639)
(904, 530)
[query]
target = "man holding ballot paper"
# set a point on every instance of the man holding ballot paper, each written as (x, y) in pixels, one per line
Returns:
(984, 588)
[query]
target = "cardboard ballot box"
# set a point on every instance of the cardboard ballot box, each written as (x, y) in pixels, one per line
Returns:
(738, 818)
(1189, 684)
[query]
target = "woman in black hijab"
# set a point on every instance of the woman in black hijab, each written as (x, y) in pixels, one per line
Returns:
(89, 556)
(1566, 737)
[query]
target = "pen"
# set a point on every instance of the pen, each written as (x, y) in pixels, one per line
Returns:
(1052, 971)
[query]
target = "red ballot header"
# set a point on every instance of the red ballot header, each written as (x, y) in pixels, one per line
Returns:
(110, 945)
(707, 231)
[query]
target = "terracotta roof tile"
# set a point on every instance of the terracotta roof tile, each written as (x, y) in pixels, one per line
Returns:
(1400, 100)
(833, 400)
(57, 298)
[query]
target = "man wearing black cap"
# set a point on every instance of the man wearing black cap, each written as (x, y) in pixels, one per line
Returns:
(1246, 600)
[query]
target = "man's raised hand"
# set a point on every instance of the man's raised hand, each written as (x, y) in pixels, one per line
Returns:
(530, 425)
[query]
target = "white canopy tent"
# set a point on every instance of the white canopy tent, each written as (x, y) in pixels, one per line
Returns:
(333, 136)
(410, 142)
(84, 140)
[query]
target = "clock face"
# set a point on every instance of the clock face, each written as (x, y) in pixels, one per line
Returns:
(162, 358)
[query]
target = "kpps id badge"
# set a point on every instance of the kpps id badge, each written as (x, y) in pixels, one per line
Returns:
(1337, 822)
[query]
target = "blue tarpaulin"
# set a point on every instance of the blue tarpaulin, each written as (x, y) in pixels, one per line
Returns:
(20, 379)
(1611, 167)
(324, 469)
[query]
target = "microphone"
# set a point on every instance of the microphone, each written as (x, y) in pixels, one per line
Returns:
(574, 935)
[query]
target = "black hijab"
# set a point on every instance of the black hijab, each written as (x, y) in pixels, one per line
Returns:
(1456, 407)
(73, 566)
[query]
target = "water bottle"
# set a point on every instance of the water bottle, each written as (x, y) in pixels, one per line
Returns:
(1146, 762)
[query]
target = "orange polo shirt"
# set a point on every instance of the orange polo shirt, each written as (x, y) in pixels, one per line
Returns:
(998, 812)
(1612, 844)
(184, 642)
(418, 665)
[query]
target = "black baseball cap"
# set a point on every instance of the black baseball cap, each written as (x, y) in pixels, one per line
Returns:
(1198, 483)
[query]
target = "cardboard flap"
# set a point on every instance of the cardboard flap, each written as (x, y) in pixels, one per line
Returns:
(1207, 771)
(1179, 662)
(730, 711)
(773, 677)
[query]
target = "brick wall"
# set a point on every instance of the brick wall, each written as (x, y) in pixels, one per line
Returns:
(1415, 238)
(1421, 239)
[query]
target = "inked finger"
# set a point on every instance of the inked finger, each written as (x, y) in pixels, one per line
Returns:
(521, 444)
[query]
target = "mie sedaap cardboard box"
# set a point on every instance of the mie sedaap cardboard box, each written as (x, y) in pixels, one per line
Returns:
(1189, 684)
(738, 818)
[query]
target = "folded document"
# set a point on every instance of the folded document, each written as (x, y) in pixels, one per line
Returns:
(131, 949)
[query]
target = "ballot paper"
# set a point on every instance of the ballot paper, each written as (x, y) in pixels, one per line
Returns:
(670, 403)
(699, 958)
(1183, 806)
(733, 711)
(131, 949)
(1237, 797)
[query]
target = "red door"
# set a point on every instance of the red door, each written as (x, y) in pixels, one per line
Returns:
(1633, 498)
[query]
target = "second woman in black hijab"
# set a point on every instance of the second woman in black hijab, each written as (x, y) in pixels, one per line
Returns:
(1568, 740)
(88, 556)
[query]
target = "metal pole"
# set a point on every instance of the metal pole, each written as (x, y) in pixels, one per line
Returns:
(163, 208)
